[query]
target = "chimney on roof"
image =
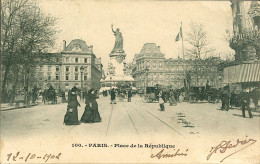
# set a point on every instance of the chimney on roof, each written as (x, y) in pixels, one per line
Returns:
(91, 48)
(64, 45)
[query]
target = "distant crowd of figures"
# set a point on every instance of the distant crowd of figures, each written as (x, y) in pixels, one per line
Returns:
(245, 98)
(238, 98)
(36, 95)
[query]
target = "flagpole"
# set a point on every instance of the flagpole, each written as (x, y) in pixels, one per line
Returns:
(184, 70)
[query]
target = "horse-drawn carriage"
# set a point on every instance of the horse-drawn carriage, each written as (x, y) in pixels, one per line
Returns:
(213, 95)
(49, 95)
(150, 95)
(203, 93)
(197, 93)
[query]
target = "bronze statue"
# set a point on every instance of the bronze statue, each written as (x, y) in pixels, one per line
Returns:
(119, 40)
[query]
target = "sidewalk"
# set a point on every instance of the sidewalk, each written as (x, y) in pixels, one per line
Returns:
(6, 106)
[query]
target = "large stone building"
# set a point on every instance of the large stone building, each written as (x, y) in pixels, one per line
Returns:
(75, 65)
(152, 68)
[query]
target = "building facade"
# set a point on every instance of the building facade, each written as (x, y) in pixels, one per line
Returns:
(76, 65)
(245, 40)
(152, 68)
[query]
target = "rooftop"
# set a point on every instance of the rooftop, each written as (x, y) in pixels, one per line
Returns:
(150, 48)
(78, 45)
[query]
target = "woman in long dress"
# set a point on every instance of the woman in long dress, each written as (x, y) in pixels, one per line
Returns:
(71, 117)
(172, 99)
(91, 113)
(161, 100)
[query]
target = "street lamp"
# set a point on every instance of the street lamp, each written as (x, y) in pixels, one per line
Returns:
(81, 72)
(110, 82)
(59, 77)
(146, 73)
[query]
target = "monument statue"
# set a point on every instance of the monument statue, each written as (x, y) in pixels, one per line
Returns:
(118, 47)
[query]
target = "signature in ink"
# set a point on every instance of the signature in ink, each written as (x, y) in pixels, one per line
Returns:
(161, 155)
(224, 145)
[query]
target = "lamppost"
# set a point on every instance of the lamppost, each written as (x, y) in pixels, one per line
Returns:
(59, 77)
(110, 82)
(81, 72)
(146, 73)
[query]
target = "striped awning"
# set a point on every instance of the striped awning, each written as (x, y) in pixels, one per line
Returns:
(242, 73)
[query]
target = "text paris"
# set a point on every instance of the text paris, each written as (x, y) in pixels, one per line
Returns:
(97, 145)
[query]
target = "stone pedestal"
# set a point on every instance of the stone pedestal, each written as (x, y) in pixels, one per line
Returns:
(117, 61)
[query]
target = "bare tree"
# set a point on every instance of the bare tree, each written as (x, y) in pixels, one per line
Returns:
(9, 36)
(198, 42)
(198, 49)
(26, 31)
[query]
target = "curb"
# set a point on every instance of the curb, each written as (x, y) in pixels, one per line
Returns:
(13, 108)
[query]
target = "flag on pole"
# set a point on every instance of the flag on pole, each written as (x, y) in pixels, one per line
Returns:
(179, 35)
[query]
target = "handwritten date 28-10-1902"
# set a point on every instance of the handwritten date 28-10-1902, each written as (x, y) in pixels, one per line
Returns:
(30, 156)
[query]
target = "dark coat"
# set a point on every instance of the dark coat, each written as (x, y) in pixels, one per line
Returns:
(91, 113)
(245, 99)
(71, 116)
(129, 93)
(113, 95)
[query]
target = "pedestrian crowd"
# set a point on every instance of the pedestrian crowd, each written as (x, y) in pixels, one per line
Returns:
(243, 99)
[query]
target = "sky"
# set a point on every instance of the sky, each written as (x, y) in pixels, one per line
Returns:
(140, 22)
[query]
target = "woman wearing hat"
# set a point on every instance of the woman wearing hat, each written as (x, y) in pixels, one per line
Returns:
(71, 117)
(91, 113)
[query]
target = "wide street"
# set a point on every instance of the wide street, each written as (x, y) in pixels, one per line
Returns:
(127, 122)
(134, 119)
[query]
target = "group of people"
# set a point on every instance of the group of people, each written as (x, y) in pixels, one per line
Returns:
(25, 96)
(113, 93)
(171, 96)
(49, 95)
(91, 113)
(241, 99)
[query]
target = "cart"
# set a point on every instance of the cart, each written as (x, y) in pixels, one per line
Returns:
(150, 95)
(197, 93)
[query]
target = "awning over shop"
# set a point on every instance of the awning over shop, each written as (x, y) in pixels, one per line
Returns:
(242, 73)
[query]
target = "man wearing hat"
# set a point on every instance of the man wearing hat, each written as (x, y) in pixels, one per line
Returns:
(245, 103)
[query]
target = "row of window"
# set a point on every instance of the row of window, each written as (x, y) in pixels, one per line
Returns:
(139, 84)
(143, 65)
(76, 69)
(58, 68)
(76, 60)
(161, 75)
(76, 77)
(57, 77)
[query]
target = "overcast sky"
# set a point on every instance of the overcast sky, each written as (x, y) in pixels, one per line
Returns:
(140, 22)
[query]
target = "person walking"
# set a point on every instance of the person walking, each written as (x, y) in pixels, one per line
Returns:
(161, 101)
(113, 96)
(245, 103)
(171, 98)
(129, 95)
(91, 113)
(71, 116)
(255, 97)
(225, 99)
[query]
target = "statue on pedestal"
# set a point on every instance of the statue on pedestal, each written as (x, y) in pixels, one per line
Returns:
(118, 51)
(118, 47)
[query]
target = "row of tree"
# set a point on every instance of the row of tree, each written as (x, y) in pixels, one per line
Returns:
(26, 31)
